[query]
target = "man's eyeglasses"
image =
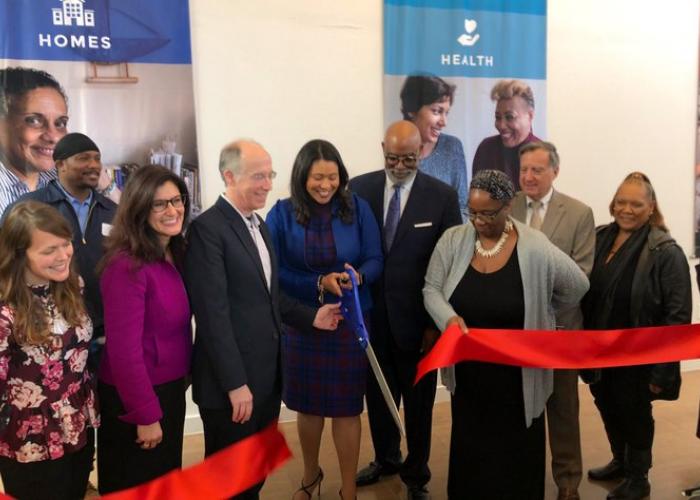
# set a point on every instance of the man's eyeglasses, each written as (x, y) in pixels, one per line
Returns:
(162, 205)
(260, 176)
(486, 216)
(409, 161)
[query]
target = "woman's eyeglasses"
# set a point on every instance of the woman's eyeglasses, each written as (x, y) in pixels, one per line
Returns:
(162, 205)
(486, 216)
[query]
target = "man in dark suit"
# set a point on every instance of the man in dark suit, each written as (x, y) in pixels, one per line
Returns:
(412, 210)
(231, 276)
(568, 224)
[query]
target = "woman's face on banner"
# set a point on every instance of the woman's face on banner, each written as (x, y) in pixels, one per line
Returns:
(513, 120)
(34, 124)
(431, 119)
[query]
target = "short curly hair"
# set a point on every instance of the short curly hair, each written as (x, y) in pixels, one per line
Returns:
(507, 89)
(423, 90)
(497, 184)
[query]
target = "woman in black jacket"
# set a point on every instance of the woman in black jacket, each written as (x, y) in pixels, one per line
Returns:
(640, 278)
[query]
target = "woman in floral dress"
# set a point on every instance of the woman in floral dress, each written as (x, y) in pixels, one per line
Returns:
(47, 401)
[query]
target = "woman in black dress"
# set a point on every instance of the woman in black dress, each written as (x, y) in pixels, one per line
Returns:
(640, 278)
(494, 272)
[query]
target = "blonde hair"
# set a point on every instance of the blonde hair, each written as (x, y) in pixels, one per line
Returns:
(31, 325)
(507, 89)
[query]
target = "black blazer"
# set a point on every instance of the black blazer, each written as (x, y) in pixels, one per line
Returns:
(431, 208)
(238, 320)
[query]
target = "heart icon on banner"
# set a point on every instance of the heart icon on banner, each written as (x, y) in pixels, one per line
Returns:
(470, 25)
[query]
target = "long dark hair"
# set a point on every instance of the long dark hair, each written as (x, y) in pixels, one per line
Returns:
(131, 233)
(30, 324)
(312, 151)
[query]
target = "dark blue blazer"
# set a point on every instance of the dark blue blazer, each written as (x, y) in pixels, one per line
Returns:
(358, 244)
(238, 319)
(431, 208)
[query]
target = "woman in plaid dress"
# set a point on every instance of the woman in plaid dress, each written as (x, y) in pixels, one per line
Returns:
(322, 233)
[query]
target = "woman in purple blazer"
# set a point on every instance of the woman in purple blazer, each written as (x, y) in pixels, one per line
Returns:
(142, 377)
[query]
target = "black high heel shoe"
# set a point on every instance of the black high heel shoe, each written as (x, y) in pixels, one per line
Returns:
(309, 488)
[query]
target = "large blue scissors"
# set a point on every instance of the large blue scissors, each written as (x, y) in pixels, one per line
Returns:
(352, 313)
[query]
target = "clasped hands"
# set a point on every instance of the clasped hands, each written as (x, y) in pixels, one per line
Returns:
(336, 282)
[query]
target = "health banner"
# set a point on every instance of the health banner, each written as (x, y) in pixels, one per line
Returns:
(123, 76)
(473, 45)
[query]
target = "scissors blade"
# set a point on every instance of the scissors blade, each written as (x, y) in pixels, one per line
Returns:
(386, 392)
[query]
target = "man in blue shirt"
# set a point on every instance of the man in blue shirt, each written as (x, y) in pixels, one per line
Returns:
(78, 163)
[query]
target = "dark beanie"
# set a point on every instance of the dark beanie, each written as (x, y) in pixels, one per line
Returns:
(72, 144)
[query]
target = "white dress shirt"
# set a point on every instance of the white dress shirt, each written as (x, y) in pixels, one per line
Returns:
(543, 208)
(253, 224)
(389, 192)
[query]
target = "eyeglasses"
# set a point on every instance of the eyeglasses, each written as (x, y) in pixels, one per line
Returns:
(409, 161)
(162, 205)
(260, 176)
(489, 216)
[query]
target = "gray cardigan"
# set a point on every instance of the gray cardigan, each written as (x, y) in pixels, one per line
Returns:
(551, 280)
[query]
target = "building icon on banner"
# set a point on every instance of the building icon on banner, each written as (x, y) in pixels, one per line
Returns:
(73, 10)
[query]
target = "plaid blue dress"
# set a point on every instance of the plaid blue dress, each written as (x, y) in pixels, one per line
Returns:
(324, 372)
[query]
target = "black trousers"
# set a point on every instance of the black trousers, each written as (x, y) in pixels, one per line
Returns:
(399, 369)
(62, 479)
(624, 400)
(121, 462)
(220, 432)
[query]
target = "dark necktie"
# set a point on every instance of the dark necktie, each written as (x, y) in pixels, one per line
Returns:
(393, 214)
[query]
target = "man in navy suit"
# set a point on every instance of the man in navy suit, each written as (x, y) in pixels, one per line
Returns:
(412, 210)
(231, 275)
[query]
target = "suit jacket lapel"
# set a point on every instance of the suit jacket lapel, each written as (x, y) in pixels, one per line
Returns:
(520, 208)
(243, 233)
(376, 198)
(410, 211)
(554, 214)
(271, 250)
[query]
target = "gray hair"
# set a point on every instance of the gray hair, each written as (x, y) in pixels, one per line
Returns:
(495, 183)
(230, 157)
(544, 146)
(507, 89)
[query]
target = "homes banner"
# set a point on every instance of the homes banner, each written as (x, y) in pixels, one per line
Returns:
(124, 75)
(472, 44)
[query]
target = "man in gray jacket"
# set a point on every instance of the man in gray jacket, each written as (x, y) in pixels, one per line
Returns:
(568, 224)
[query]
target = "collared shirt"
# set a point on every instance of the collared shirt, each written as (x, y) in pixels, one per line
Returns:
(12, 187)
(389, 192)
(253, 224)
(81, 208)
(543, 208)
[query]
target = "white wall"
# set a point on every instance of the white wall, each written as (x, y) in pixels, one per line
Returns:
(622, 79)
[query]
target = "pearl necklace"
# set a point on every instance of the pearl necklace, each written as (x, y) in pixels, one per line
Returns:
(492, 252)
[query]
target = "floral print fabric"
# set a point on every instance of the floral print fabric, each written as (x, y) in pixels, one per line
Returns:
(47, 397)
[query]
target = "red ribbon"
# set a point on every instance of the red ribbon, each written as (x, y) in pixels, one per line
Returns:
(564, 349)
(223, 474)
